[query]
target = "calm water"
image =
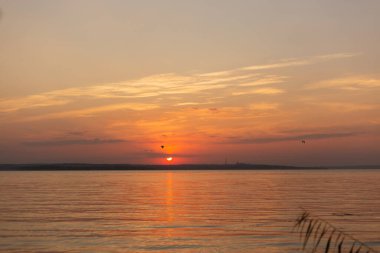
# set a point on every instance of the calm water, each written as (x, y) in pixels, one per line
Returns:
(180, 211)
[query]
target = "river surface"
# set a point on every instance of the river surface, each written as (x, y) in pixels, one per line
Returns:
(181, 211)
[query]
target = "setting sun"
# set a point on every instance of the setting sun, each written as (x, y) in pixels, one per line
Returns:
(271, 109)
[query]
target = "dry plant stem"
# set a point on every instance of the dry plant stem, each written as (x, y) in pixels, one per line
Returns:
(308, 226)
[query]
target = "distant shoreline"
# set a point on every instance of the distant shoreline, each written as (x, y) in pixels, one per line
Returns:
(147, 167)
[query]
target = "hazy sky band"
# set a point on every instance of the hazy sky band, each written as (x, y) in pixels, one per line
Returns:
(111, 81)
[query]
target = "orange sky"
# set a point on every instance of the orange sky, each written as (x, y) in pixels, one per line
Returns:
(111, 81)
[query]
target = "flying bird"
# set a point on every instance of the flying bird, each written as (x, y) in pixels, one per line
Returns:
(303, 141)
(162, 146)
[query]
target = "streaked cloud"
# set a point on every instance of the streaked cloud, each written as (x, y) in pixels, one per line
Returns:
(301, 62)
(265, 81)
(95, 141)
(263, 106)
(92, 111)
(348, 83)
(261, 91)
(348, 107)
(284, 64)
(76, 133)
(182, 87)
(218, 73)
(191, 103)
(31, 102)
(270, 139)
(153, 154)
(337, 56)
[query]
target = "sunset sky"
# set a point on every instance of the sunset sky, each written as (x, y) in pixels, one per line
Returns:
(211, 80)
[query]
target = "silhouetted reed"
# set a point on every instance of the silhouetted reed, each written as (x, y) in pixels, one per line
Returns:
(317, 234)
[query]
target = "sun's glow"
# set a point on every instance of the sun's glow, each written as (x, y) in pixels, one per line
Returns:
(169, 159)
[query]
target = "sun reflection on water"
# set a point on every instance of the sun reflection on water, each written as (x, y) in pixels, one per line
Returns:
(169, 196)
(169, 203)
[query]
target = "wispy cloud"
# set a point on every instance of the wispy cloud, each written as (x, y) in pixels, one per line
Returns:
(348, 107)
(153, 154)
(153, 92)
(265, 81)
(347, 83)
(192, 103)
(313, 136)
(92, 111)
(31, 102)
(263, 106)
(76, 133)
(284, 64)
(95, 141)
(261, 91)
(301, 62)
(336, 56)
